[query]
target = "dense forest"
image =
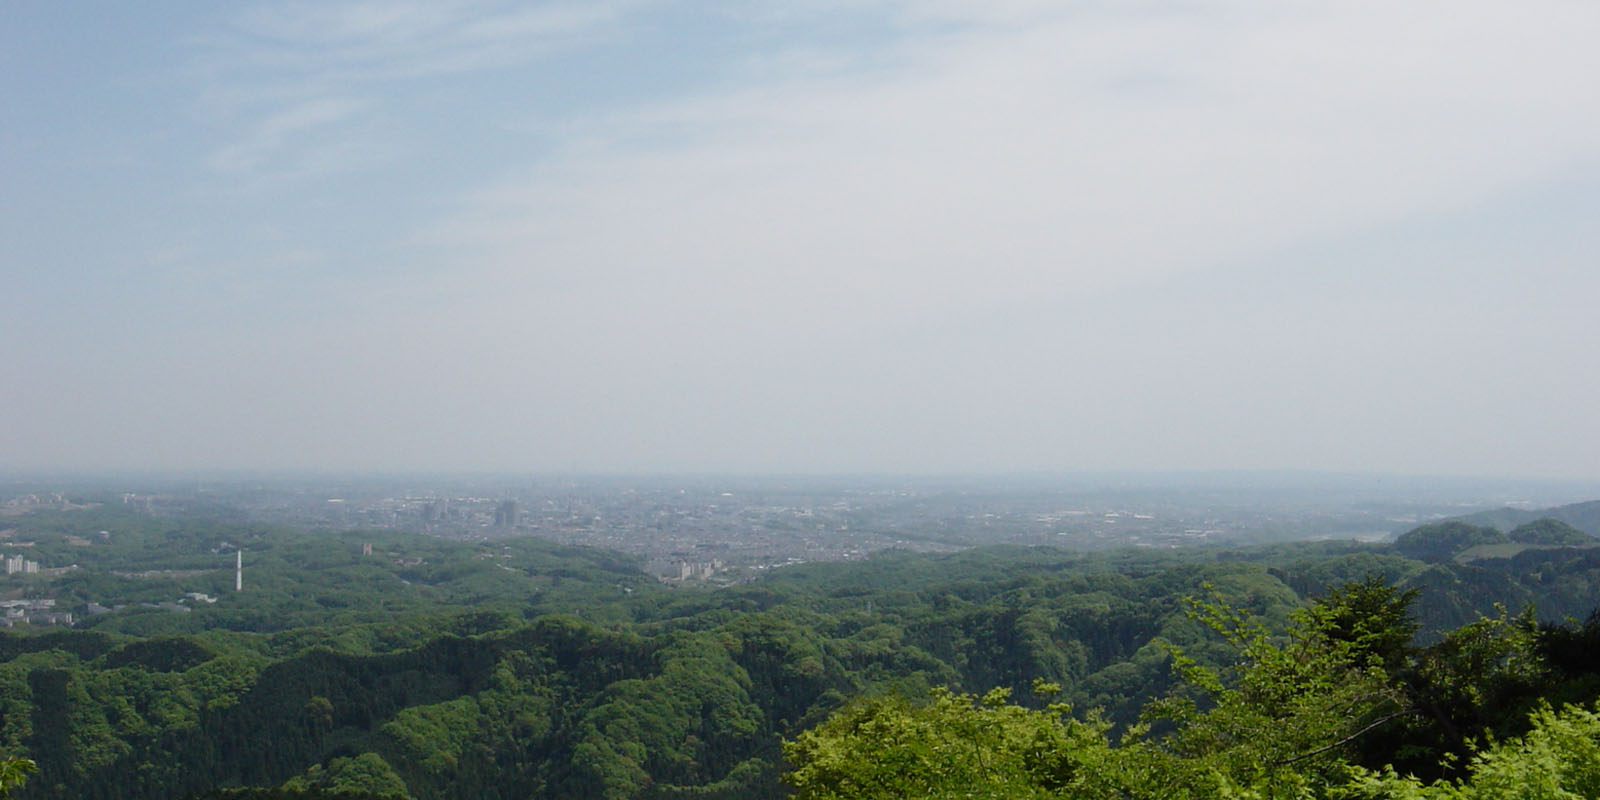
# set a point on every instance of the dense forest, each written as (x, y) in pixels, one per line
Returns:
(384, 664)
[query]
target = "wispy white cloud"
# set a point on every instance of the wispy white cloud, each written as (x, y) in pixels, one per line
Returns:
(282, 128)
(287, 69)
(831, 229)
(1001, 166)
(348, 41)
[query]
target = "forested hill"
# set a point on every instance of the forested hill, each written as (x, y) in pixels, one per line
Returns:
(148, 571)
(399, 665)
(1583, 516)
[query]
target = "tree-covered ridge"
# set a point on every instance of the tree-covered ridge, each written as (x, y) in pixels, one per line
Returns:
(1444, 540)
(525, 669)
(1550, 531)
(1343, 707)
(1459, 542)
(1583, 516)
(145, 568)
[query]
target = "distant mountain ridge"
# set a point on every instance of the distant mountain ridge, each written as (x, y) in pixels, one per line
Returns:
(1551, 531)
(1501, 534)
(1443, 541)
(1583, 516)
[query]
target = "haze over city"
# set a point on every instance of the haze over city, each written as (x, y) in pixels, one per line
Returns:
(800, 237)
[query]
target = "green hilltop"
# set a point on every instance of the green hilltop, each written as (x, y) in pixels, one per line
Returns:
(1583, 516)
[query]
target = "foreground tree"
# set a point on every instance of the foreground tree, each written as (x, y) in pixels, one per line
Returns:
(13, 773)
(955, 746)
(1558, 759)
(1301, 716)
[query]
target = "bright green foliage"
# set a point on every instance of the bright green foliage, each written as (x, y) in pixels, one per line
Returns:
(1281, 723)
(1559, 759)
(434, 736)
(13, 773)
(1482, 679)
(1286, 723)
(1366, 621)
(367, 774)
(956, 746)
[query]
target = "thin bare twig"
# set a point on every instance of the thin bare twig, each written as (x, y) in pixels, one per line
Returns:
(1347, 739)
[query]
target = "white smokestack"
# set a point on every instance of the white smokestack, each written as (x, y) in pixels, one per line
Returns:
(238, 571)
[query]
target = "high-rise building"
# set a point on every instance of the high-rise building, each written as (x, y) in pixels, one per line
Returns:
(505, 514)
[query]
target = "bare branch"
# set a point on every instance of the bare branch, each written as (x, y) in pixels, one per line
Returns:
(1348, 739)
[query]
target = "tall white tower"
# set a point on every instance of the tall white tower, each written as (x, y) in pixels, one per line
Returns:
(238, 570)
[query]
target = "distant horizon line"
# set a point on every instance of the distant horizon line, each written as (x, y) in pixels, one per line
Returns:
(12, 474)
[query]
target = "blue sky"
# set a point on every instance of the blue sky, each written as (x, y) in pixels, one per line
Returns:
(801, 237)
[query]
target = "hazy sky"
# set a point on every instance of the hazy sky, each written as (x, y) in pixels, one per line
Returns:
(801, 236)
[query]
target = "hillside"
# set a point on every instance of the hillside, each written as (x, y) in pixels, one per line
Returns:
(1550, 531)
(1444, 540)
(1583, 516)
(524, 669)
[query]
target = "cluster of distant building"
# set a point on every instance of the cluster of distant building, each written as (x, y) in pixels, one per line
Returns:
(182, 606)
(681, 570)
(32, 501)
(33, 612)
(505, 514)
(17, 564)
